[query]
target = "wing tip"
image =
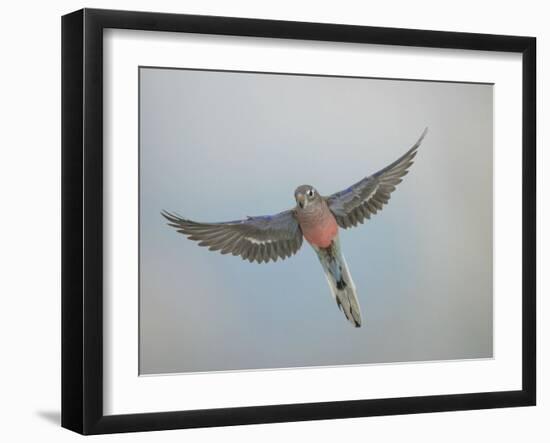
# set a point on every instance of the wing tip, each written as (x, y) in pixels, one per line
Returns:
(411, 153)
(168, 215)
(420, 139)
(173, 218)
(172, 215)
(424, 132)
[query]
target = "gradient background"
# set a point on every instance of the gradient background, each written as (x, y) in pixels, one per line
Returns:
(218, 146)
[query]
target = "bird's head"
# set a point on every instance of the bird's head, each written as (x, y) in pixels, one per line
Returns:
(305, 195)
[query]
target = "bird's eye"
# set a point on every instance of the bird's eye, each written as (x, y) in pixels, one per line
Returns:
(310, 192)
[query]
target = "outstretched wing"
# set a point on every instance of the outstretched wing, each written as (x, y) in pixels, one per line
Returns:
(258, 239)
(366, 197)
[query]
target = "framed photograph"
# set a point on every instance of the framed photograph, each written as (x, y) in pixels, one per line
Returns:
(269, 221)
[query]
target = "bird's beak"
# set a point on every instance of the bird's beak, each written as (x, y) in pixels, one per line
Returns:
(301, 199)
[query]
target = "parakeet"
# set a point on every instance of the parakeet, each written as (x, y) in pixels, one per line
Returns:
(316, 218)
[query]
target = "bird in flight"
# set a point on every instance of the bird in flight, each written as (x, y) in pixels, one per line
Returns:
(316, 218)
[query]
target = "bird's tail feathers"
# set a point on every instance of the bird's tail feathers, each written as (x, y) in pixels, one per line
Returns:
(340, 282)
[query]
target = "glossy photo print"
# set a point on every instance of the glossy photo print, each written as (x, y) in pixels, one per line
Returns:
(291, 221)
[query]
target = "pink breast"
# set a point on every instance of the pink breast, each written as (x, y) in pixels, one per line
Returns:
(322, 233)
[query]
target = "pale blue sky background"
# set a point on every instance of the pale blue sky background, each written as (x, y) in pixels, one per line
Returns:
(219, 146)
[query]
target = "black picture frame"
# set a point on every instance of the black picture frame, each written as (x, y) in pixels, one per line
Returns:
(82, 218)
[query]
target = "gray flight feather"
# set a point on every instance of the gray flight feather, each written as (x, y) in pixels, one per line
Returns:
(259, 239)
(368, 196)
